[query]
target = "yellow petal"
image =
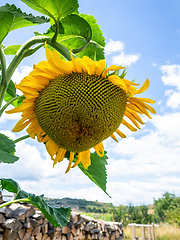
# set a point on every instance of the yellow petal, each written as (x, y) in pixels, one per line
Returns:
(117, 81)
(86, 161)
(144, 87)
(22, 107)
(59, 155)
(122, 135)
(142, 106)
(135, 115)
(76, 63)
(84, 158)
(111, 68)
(100, 66)
(70, 161)
(128, 125)
(99, 149)
(89, 64)
(52, 148)
(148, 100)
(132, 119)
(21, 124)
(52, 59)
(114, 137)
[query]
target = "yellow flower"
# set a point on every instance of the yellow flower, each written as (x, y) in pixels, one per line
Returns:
(74, 105)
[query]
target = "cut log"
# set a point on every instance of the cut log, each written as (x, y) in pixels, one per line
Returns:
(45, 237)
(1, 237)
(75, 217)
(1, 230)
(75, 231)
(12, 224)
(10, 234)
(9, 210)
(65, 229)
(29, 230)
(36, 230)
(21, 233)
(63, 237)
(2, 218)
(94, 230)
(89, 226)
(57, 235)
(39, 222)
(45, 228)
(30, 223)
(27, 236)
(69, 236)
(37, 216)
(38, 236)
(3, 210)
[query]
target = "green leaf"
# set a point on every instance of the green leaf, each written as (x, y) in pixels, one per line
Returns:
(11, 89)
(11, 50)
(84, 29)
(55, 215)
(16, 102)
(77, 26)
(97, 170)
(96, 44)
(12, 18)
(10, 185)
(55, 9)
(7, 150)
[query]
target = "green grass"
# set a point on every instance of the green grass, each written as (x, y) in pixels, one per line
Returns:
(164, 232)
(99, 216)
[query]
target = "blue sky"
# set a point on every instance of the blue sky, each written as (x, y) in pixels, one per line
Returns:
(145, 36)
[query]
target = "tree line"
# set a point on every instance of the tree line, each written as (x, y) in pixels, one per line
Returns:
(165, 209)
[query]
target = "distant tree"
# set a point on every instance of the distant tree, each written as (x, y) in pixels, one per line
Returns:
(162, 205)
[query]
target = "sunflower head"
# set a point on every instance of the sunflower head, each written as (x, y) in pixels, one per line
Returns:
(75, 105)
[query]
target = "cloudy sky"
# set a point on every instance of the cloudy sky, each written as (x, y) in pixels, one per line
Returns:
(145, 36)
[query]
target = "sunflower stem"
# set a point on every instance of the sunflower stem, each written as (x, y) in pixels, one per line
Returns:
(3, 79)
(14, 201)
(23, 52)
(54, 38)
(21, 138)
(8, 103)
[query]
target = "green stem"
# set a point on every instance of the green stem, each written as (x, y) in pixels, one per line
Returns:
(54, 38)
(3, 81)
(8, 103)
(14, 201)
(24, 49)
(21, 138)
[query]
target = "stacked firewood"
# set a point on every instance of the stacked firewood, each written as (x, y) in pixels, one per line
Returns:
(25, 222)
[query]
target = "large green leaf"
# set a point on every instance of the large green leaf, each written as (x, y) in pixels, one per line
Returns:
(55, 9)
(85, 30)
(11, 50)
(58, 216)
(97, 170)
(12, 18)
(76, 26)
(7, 150)
(11, 93)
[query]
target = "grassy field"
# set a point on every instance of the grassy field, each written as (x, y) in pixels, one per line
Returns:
(164, 232)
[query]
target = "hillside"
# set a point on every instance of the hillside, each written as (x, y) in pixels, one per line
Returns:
(79, 204)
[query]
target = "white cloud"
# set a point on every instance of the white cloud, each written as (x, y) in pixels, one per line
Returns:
(114, 46)
(171, 77)
(20, 73)
(125, 59)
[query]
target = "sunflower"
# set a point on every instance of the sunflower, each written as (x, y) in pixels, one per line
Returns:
(75, 105)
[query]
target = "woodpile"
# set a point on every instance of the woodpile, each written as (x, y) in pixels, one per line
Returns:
(24, 222)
